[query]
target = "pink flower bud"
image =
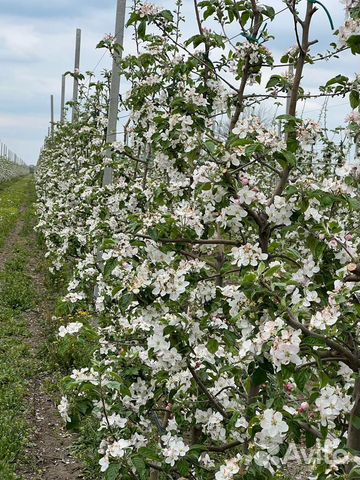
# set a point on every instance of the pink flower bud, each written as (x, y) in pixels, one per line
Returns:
(244, 181)
(169, 407)
(289, 387)
(304, 407)
(348, 236)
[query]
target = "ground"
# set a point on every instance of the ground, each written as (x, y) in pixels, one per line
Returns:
(33, 442)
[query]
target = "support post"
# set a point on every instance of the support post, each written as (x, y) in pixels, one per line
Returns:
(62, 103)
(290, 75)
(113, 104)
(52, 122)
(115, 85)
(76, 72)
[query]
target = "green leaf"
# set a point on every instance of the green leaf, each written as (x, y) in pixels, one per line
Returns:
(271, 271)
(354, 44)
(285, 116)
(261, 268)
(148, 453)
(273, 81)
(210, 146)
(354, 99)
(209, 11)
(301, 378)
(289, 157)
(249, 278)
(206, 186)
(140, 465)
(196, 40)
(260, 374)
(109, 266)
(312, 342)
(183, 467)
(251, 149)
(339, 79)
(355, 473)
(244, 18)
(268, 11)
(212, 345)
(112, 473)
(134, 17)
(142, 29)
(310, 439)
(259, 377)
(154, 234)
(167, 15)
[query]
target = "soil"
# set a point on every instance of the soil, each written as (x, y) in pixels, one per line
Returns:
(48, 455)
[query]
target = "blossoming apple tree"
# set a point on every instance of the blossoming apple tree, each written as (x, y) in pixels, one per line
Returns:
(221, 269)
(9, 169)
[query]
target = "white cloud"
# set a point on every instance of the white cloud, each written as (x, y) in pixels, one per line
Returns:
(18, 43)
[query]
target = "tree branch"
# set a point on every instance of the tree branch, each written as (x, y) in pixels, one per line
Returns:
(217, 405)
(214, 241)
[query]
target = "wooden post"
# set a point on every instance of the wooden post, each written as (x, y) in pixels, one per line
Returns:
(115, 86)
(62, 104)
(76, 72)
(52, 115)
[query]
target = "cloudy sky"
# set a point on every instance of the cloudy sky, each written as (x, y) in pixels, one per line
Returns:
(37, 45)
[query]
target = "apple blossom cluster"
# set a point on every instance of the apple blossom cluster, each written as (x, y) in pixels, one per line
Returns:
(63, 409)
(350, 28)
(9, 170)
(70, 329)
(215, 268)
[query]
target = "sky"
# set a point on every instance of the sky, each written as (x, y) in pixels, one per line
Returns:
(37, 41)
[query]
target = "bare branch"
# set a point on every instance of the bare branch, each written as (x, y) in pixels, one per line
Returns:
(216, 404)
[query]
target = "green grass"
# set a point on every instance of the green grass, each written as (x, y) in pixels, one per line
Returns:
(17, 365)
(16, 290)
(12, 196)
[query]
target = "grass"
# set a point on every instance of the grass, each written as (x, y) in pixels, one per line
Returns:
(12, 196)
(16, 362)
(16, 291)
(15, 367)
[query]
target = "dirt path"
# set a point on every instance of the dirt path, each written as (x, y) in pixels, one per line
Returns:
(50, 442)
(47, 456)
(50, 449)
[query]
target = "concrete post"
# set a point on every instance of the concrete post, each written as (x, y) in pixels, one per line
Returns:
(115, 85)
(76, 72)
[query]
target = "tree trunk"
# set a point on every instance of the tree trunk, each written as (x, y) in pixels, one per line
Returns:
(353, 440)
